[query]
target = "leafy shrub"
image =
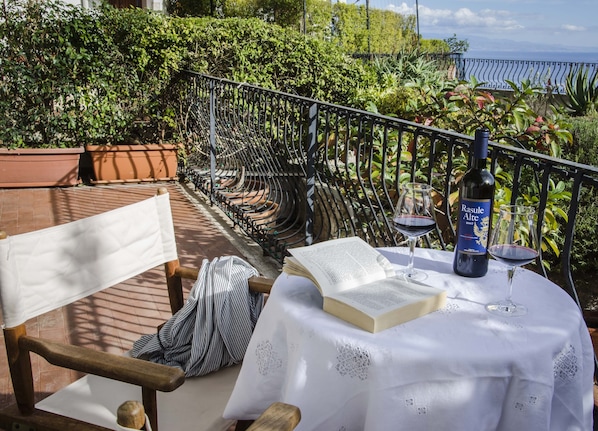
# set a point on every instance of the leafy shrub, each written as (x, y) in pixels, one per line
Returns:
(407, 86)
(412, 89)
(249, 50)
(509, 118)
(585, 138)
(582, 91)
(74, 76)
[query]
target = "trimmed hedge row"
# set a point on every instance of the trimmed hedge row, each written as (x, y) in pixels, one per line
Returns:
(72, 76)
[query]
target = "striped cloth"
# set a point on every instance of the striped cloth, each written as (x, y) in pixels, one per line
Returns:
(213, 328)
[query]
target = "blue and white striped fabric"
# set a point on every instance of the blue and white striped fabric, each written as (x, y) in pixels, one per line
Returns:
(214, 327)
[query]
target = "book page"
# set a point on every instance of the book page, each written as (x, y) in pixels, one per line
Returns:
(381, 296)
(343, 263)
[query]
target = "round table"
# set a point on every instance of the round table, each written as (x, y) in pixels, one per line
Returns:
(459, 368)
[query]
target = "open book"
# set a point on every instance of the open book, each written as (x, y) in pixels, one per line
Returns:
(360, 286)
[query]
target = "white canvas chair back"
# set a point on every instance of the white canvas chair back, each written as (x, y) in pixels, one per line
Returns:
(49, 268)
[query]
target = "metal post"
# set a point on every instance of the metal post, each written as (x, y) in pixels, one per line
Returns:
(212, 139)
(417, 20)
(304, 16)
(310, 180)
(367, 23)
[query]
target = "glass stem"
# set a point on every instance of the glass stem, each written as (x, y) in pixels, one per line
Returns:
(412, 240)
(510, 274)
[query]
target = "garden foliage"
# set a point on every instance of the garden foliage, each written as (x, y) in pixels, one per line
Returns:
(585, 258)
(252, 51)
(73, 76)
(582, 92)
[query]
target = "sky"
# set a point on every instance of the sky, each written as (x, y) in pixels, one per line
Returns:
(524, 25)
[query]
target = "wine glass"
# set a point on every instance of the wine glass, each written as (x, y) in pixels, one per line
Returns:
(514, 243)
(413, 217)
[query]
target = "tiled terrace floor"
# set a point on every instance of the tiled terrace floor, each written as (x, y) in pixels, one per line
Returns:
(126, 311)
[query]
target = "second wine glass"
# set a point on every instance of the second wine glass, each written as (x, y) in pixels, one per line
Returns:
(413, 217)
(514, 243)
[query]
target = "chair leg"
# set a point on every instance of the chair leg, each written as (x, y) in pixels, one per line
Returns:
(150, 404)
(19, 362)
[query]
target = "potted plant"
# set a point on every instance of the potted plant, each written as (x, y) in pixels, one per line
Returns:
(144, 156)
(37, 146)
(74, 77)
(146, 147)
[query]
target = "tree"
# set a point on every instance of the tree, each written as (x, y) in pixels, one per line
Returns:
(389, 33)
(286, 13)
(434, 46)
(457, 45)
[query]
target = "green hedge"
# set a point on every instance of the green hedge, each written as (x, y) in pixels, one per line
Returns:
(252, 51)
(73, 76)
(585, 150)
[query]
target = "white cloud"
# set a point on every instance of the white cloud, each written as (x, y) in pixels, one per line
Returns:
(498, 20)
(569, 27)
(436, 16)
(403, 9)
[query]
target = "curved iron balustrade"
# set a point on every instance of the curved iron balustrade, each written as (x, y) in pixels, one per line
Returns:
(492, 73)
(292, 171)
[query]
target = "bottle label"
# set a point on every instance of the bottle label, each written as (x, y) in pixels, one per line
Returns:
(474, 224)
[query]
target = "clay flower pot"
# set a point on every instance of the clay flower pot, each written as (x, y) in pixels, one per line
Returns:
(39, 167)
(133, 163)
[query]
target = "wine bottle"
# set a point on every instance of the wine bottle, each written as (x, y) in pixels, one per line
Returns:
(476, 196)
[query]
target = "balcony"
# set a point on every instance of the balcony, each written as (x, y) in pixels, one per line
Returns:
(270, 171)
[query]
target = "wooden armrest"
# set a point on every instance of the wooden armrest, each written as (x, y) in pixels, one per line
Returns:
(277, 417)
(257, 284)
(122, 368)
(187, 272)
(261, 284)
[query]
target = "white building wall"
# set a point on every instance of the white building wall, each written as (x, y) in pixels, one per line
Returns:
(156, 5)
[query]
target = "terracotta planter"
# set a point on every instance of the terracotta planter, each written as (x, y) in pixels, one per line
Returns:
(133, 163)
(39, 167)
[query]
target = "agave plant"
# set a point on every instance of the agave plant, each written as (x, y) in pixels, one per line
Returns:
(582, 91)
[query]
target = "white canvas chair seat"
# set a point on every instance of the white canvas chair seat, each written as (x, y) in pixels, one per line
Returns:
(43, 270)
(197, 405)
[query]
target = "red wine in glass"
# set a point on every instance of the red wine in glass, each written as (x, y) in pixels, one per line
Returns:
(513, 255)
(514, 243)
(413, 217)
(414, 225)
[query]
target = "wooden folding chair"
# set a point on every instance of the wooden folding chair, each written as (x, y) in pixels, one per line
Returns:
(43, 270)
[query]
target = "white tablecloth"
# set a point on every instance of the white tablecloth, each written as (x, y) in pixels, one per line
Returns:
(459, 368)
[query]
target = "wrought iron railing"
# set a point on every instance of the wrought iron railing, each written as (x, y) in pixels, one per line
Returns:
(293, 171)
(494, 73)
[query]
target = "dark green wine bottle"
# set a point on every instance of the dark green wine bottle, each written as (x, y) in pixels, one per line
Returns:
(476, 196)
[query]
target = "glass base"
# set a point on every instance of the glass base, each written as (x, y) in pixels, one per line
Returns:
(507, 308)
(414, 275)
